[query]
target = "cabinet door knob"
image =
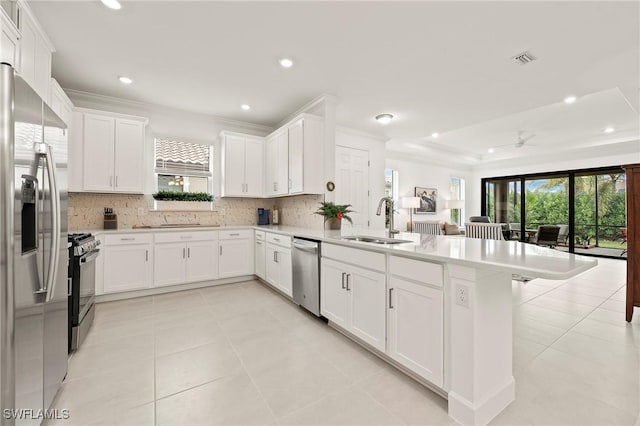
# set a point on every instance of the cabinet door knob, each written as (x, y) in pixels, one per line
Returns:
(220, 250)
(146, 255)
(390, 301)
(188, 251)
(343, 275)
(348, 277)
(184, 252)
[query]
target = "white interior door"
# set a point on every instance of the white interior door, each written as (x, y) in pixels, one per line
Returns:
(352, 186)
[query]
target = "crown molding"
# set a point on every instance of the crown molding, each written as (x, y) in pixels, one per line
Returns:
(106, 100)
(324, 98)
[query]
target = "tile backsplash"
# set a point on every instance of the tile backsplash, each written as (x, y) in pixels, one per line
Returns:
(86, 211)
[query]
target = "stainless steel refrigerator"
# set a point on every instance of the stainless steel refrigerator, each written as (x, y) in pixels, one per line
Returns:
(33, 251)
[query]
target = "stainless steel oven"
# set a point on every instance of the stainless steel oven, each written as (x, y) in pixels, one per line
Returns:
(82, 286)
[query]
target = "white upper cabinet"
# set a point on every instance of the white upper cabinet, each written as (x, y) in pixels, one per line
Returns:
(277, 164)
(60, 103)
(242, 165)
(99, 138)
(129, 155)
(295, 155)
(9, 42)
(35, 54)
(112, 152)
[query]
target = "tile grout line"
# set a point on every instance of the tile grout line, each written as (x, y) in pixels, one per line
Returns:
(571, 328)
(244, 368)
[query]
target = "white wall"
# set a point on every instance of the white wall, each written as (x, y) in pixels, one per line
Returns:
(419, 173)
(358, 140)
(168, 123)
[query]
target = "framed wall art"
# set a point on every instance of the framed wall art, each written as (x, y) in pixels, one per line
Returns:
(428, 200)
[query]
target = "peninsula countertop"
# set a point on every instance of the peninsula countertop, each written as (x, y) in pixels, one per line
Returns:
(514, 256)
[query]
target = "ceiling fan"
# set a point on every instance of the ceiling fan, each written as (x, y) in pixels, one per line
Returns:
(520, 142)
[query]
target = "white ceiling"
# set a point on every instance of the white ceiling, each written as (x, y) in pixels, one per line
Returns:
(437, 66)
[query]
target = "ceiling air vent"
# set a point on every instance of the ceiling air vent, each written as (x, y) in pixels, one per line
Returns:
(524, 58)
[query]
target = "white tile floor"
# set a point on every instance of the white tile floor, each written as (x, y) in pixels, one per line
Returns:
(241, 354)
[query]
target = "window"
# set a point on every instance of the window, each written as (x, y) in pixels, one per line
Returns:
(457, 193)
(182, 166)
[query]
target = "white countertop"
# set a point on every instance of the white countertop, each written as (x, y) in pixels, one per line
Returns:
(513, 256)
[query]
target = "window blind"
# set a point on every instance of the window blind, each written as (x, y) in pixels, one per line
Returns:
(184, 158)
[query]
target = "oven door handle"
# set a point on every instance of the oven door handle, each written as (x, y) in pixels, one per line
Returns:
(92, 255)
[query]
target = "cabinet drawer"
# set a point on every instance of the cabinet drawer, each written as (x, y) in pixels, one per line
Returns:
(363, 258)
(282, 240)
(234, 235)
(120, 239)
(185, 237)
(416, 270)
(260, 235)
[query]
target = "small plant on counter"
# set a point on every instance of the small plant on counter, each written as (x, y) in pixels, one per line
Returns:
(182, 196)
(334, 211)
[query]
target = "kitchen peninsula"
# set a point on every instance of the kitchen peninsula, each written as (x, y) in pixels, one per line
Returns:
(437, 307)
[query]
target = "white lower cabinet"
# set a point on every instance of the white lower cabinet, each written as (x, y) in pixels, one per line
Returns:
(279, 272)
(184, 257)
(202, 260)
(260, 253)
(354, 298)
(415, 316)
(170, 263)
(128, 263)
(235, 253)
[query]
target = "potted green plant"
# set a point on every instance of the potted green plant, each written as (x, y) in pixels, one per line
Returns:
(334, 213)
(183, 201)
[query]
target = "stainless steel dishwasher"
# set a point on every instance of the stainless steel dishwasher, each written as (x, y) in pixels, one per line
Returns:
(305, 257)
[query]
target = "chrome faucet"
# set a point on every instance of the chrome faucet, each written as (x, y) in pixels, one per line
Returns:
(389, 200)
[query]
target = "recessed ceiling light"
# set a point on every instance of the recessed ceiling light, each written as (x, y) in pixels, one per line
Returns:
(435, 135)
(245, 107)
(112, 4)
(125, 80)
(384, 118)
(491, 150)
(609, 130)
(570, 99)
(286, 62)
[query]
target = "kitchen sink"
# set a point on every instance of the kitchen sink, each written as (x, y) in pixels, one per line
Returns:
(375, 240)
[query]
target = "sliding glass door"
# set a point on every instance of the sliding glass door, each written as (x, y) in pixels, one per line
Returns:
(600, 223)
(587, 206)
(547, 203)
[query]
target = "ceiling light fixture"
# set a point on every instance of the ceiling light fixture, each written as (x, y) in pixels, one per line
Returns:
(125, 80)
(491, 150)
(609, 130)
(286, 62)
(570, 99)
(245, 107)
(384, 118)
(112, 4)
(435, 135)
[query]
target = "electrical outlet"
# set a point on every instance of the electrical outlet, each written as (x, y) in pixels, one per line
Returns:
(140, 211)
(462, 295)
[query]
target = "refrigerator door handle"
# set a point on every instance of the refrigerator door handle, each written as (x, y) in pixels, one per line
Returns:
(55, 233)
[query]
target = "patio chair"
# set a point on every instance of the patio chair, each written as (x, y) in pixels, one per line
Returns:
(547, 235)
(479, 219)
(563, 235)
(515, 229)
